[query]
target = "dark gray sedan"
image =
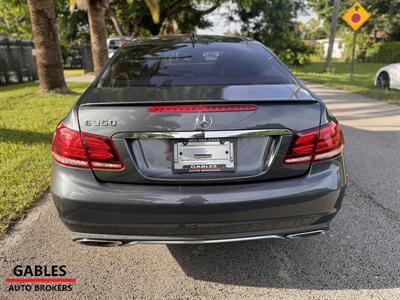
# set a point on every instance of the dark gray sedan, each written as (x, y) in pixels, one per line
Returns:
(196, 139)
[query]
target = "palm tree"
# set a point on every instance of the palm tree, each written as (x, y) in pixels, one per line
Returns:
(96, 10)
(47, 47)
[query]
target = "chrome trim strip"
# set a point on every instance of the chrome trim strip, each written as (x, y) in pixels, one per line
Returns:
(305, 234)
(201, 134)
(228, 240)
(132, 239)
(137, 239)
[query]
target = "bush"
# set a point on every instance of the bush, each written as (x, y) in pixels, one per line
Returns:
(384, 52)
(363, 44)
(296, 53)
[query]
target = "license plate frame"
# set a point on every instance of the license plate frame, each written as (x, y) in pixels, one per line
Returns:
(204, 155)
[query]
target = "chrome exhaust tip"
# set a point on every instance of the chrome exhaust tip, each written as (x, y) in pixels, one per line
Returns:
(305, 234)
(99, 243)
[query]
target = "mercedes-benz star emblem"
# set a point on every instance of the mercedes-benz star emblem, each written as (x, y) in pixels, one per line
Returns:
(204, 121)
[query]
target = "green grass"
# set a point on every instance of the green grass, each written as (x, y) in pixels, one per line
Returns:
(363, 82)
(73, 72)
(27, 121)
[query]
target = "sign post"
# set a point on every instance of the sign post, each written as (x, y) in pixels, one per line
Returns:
(353, 54)
(355, 17)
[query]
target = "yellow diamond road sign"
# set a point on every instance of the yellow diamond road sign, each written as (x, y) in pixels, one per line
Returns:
(356, 16)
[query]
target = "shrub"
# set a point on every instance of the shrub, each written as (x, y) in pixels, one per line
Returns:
(363, 44)
(296, 53)
(384, 52)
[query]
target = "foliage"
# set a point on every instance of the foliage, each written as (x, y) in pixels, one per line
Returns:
(14, 19)
(175, 16)
(73, 28)
(318, 54)
(297, 53)
(384, 14)
(387, 52)
(363, 43)
(27, 120)
(313, 30)
(363, 82)
(136, 17)
(154, 8)
(271, 22)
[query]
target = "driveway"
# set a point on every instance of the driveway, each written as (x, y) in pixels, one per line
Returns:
(357, 259)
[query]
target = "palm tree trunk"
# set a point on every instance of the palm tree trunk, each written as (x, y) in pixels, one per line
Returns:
(98, 34)
(47, 47)
(332, 34)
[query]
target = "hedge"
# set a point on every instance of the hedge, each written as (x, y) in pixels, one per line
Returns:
(384, 52)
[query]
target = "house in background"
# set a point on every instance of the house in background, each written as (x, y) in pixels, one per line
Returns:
(338, 48)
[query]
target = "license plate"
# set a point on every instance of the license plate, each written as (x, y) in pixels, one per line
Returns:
(211, 155)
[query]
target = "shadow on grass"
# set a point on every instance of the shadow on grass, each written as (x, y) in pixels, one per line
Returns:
(24, 136)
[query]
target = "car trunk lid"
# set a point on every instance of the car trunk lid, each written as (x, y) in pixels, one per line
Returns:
(240, 145)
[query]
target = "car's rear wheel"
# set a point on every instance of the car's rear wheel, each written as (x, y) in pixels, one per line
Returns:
(383, 81)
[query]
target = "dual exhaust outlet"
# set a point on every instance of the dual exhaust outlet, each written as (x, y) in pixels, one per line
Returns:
(114, 243)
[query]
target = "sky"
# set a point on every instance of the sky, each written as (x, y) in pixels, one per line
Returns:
(221, 25)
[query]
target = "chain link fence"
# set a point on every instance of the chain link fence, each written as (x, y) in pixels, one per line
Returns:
(17, 61)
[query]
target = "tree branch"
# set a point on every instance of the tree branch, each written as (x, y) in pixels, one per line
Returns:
(208, 10)
(173, 9)
(114, 19)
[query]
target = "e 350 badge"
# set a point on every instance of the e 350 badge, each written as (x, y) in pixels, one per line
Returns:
(103, 123)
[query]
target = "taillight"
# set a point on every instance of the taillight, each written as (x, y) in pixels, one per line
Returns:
(84, 150)
(200, 108)
(302, 147)
(316, 144)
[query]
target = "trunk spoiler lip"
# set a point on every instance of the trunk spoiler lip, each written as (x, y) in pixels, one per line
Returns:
(197, 102)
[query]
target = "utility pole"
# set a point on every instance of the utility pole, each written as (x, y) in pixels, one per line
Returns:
(332, 34)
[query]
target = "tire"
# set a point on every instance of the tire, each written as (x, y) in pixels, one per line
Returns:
(383, 81)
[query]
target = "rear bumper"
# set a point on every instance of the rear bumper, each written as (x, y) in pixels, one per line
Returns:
(198, 214)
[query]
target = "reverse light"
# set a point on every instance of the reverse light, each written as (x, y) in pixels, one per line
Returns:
(316, 144)
(84, 150)
(200, 108)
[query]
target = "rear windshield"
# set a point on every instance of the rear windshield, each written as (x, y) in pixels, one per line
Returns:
(190, 64)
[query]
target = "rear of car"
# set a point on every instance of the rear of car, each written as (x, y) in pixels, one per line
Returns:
(187, 139)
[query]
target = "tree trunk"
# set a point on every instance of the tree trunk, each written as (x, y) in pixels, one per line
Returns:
(332, 34)
(98, 34)
(47, 47)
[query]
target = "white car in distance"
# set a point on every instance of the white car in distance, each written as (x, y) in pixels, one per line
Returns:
(388, 77)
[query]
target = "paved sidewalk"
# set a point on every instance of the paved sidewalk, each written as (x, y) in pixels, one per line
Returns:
(359, 111)
(80, 78)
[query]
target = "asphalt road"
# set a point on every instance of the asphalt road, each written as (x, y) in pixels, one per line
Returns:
(357, 259)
